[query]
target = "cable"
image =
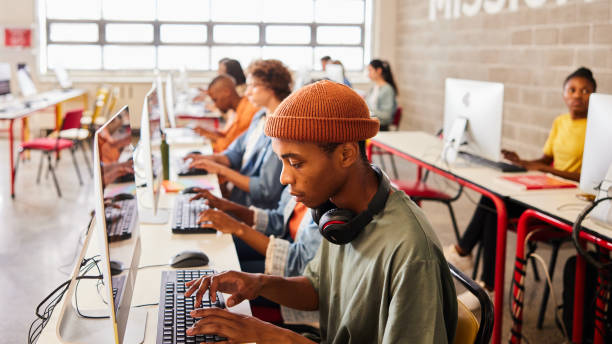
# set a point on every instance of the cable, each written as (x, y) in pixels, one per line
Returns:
(576, 234)
(150, 266)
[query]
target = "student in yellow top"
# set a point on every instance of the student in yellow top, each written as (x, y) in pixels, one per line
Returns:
(562, 157)
(222, 91)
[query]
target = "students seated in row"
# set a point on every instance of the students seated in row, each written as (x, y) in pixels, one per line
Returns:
(562, 156)
(280, 241)
(381, 97)
(240, 112)
(249, 163)
(229, 67)
(379, 275)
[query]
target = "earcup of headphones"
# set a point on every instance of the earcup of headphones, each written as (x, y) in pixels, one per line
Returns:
(335, 226)
(318, 212)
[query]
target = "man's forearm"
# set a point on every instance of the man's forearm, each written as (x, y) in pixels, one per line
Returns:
(283, 290)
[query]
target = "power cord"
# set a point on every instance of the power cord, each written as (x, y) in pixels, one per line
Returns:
(51, 300)
(577, 228)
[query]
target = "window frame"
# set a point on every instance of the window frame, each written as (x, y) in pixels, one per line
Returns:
(209, 42)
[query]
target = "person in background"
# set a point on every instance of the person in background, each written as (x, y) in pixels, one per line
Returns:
(232, 67)
(562, 156)
(379, 276)
(324, 61)
(238, 110)
(381, 97)
(249, 162)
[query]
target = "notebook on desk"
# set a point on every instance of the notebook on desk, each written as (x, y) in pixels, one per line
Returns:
(539, 182)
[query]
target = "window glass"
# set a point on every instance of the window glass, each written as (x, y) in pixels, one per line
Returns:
(85, 32)
(129, 57)
(180, 33)
(283, 34)
(176, 57)
(74, 56)
(236, 34)
(129, 32)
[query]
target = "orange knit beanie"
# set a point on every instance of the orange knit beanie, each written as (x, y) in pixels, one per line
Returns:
(323, 112)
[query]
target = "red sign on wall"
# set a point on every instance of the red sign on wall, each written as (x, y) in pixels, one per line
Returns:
(18, 37)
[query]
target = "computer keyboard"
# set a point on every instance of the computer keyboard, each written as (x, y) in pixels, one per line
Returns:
(496, 165)
(120, 221)
(184, 170)
(174, 308)
(186, 213)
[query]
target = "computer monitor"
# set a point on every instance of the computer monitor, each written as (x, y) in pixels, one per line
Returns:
(597, 155)
(334, 72)
(62, 78)
(24, 79)
(110, 142)
(477, 106)
(148, 161)
(5, 79)
(170, 94)
(107, 319)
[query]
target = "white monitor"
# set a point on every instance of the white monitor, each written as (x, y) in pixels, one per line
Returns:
(481, 104)
(170, 93)
(597, 156)
(24, 79)
(150, 163)
(5, 79)
(334, 73)
(106, 156)
(160, 107)
(113, 319)
(62, 78)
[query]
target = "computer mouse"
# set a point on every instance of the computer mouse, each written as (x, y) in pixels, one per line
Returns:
(195, 153)
(116, 267)
(122, 197)
(191, 189)
(189, 259)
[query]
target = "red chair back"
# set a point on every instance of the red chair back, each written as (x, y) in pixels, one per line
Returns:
(397, 117)
(72, 119)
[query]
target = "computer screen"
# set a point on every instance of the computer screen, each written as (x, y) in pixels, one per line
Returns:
(170, 93)
(597, 156)
(481, 104)
(24, 79)
(145, 157)
(113, 147)
(62, 78)
(5, 79)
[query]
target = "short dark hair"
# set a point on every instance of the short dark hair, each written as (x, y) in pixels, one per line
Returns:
(582, 72)
(233, 68)
(325, 58)
(330, 147)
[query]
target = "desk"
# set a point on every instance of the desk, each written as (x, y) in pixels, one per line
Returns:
(424, 150)
(560, 209)
(159, 244)
(46, 99)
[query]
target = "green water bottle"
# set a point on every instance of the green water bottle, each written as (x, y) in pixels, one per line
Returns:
(165, 152)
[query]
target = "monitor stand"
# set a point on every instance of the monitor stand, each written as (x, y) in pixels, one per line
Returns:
(147, 216)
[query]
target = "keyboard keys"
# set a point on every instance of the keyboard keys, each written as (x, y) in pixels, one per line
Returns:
(186, 215)
(175, 308)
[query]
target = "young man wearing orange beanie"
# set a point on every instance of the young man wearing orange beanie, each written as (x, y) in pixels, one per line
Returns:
(380, 276)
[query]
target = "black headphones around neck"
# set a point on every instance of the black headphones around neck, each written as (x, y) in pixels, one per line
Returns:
(341, 226)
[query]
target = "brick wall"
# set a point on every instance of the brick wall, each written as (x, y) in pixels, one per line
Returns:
(530, 50)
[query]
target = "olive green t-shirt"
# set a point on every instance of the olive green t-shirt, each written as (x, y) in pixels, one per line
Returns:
(389, 285)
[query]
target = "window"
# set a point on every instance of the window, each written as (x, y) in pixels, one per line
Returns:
(170, 34)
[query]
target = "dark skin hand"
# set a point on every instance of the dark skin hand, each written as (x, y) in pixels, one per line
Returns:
(241, 212)
(227, 224)
(543, 164)
(239, 328)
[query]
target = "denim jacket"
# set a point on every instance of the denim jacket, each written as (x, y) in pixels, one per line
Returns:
(263, 169)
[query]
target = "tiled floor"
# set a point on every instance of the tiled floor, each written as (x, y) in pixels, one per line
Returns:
(41, 233)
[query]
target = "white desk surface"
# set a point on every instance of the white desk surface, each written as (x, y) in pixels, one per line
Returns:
(39, 102)
(565, 206)
(159, 244)
(428, 148)
(558, 203)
